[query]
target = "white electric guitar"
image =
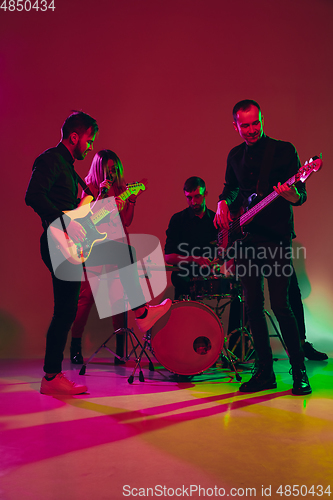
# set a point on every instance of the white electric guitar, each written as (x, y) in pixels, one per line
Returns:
(77, 253)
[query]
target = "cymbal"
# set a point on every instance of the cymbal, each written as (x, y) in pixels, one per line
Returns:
(171, 268)
(156, 267)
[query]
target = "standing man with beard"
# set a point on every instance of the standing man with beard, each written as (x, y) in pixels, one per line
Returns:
(53, 190)
(261, 164)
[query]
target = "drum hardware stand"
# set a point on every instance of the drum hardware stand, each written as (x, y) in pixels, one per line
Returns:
(147, 341)
(244, 334)
(146, 345)
(125, 330)
(128, 332)
(133, 338)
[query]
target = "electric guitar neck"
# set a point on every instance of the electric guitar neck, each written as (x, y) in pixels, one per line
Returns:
(236, 231)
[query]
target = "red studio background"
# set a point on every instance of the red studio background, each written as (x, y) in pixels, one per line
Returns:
(161, 78)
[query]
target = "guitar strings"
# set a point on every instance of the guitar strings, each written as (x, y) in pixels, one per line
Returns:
(235, 224)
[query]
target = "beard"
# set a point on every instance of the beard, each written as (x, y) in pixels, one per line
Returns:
(78, 154)
(198, 210)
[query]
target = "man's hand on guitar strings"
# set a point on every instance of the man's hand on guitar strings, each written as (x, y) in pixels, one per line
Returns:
(222, 217)
(75, 231)
(290, 193)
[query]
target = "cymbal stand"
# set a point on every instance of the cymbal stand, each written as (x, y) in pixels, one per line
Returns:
(245, 338)
(147, 336)
(219, 310)
(121, 331)
(144, 347)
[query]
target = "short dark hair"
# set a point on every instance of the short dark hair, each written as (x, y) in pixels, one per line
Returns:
(78, 122)
(192, 183)
(244, 105)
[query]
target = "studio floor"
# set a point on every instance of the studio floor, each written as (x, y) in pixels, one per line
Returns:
(164, 437)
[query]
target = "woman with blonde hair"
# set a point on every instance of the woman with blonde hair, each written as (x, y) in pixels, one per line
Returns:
(105, 178)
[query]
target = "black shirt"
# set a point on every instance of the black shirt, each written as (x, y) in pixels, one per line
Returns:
(53, 186)
(243, 167)
(187, 232)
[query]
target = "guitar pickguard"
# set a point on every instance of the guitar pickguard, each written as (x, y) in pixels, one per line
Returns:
(77, 253)
(93, 236)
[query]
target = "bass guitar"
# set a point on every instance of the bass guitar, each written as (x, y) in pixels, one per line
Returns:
(77, 253)
(236, 231)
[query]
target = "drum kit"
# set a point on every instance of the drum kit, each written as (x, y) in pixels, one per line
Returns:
(189, 339)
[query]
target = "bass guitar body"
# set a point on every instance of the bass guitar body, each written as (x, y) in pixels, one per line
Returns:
(226, 239)
(235, 232)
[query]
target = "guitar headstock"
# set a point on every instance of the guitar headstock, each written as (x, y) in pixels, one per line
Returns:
(136, 187)
(313, 165)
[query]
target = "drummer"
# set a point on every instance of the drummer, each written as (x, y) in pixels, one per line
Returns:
(191, 237)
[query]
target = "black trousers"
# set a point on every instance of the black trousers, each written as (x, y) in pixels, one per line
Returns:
(295, 301)
(256, 261)
(66, 292)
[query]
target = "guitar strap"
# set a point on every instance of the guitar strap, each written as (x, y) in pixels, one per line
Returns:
(84, 186)
(266, 165)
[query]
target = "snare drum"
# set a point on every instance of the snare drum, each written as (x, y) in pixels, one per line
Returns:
(188, 339)
(212, 287)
